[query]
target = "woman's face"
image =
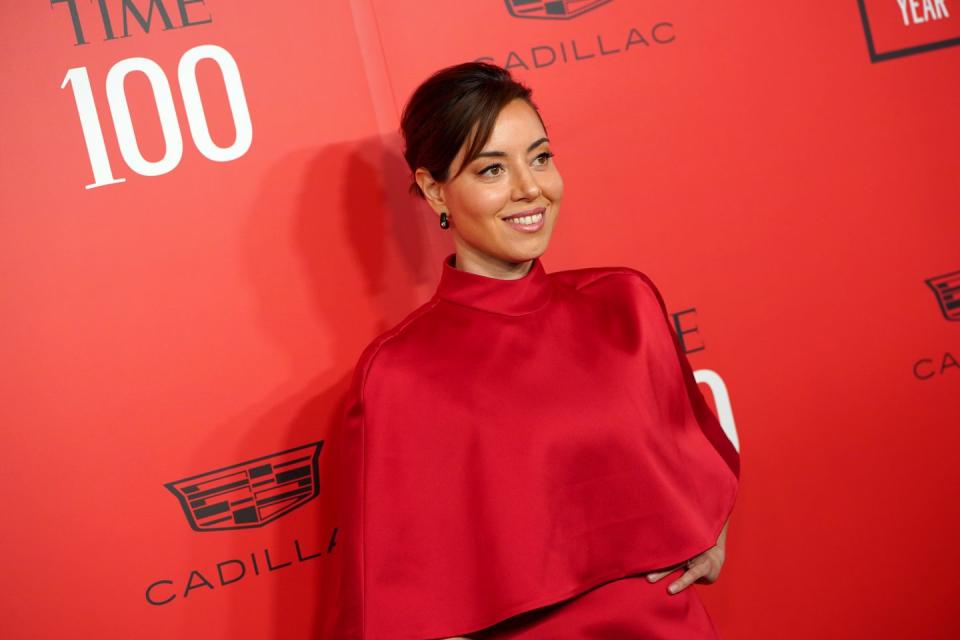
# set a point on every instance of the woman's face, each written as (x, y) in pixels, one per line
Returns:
(503, 205)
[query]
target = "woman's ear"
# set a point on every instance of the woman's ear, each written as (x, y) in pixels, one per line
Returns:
(431, 189)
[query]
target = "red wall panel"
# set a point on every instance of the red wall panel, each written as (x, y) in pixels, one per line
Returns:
(758, 161)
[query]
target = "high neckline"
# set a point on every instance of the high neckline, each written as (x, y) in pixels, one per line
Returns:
(498, 295)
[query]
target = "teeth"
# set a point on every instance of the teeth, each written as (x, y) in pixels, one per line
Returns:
(534, 219)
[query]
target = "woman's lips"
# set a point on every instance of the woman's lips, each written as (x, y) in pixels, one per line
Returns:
(527, 221)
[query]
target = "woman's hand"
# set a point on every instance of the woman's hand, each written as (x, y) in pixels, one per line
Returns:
(704, 568)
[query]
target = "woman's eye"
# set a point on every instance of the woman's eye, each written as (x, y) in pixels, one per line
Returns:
(546, 155)
(498, 168)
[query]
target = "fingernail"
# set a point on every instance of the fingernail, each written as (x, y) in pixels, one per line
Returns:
(673, 588)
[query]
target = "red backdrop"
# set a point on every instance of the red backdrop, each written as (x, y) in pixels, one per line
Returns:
(187, 283)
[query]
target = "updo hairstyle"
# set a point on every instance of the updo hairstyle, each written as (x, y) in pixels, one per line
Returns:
(445, 108)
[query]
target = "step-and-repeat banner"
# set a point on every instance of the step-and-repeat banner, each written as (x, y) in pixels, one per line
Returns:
(205, 219)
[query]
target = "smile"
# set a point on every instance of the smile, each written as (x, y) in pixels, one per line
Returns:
(527, 221)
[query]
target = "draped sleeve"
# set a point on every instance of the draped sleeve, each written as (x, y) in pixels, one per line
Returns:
(706, 418)
(345, 607)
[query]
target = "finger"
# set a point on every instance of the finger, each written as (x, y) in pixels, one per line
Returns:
(687, 578)
(653, 576)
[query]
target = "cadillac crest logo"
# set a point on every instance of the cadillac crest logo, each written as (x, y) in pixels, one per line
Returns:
(947, 290)
(552, 9)
(250, 494)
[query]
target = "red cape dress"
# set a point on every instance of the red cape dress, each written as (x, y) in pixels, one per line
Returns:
(515, 454)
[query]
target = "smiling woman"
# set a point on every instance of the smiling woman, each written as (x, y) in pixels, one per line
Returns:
(483, 162)
(527, 454)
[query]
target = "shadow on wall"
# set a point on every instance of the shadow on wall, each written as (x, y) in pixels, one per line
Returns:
(329, 218)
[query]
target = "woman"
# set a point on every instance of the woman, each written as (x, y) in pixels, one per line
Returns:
(527, 454)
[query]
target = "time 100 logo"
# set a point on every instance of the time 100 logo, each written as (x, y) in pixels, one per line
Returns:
(103, 175)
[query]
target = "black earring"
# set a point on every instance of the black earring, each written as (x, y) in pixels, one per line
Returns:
(443, 220)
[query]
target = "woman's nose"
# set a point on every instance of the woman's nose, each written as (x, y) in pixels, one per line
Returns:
(526, 186)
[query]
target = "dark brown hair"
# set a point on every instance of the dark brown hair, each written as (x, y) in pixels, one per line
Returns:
(443, 110)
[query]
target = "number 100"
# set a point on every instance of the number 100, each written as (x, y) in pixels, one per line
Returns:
(78, 79)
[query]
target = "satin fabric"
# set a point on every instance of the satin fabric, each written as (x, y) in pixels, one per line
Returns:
(628, 608)
(518, 444)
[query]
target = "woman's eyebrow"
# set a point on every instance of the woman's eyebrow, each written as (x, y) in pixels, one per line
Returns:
(502, 153)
